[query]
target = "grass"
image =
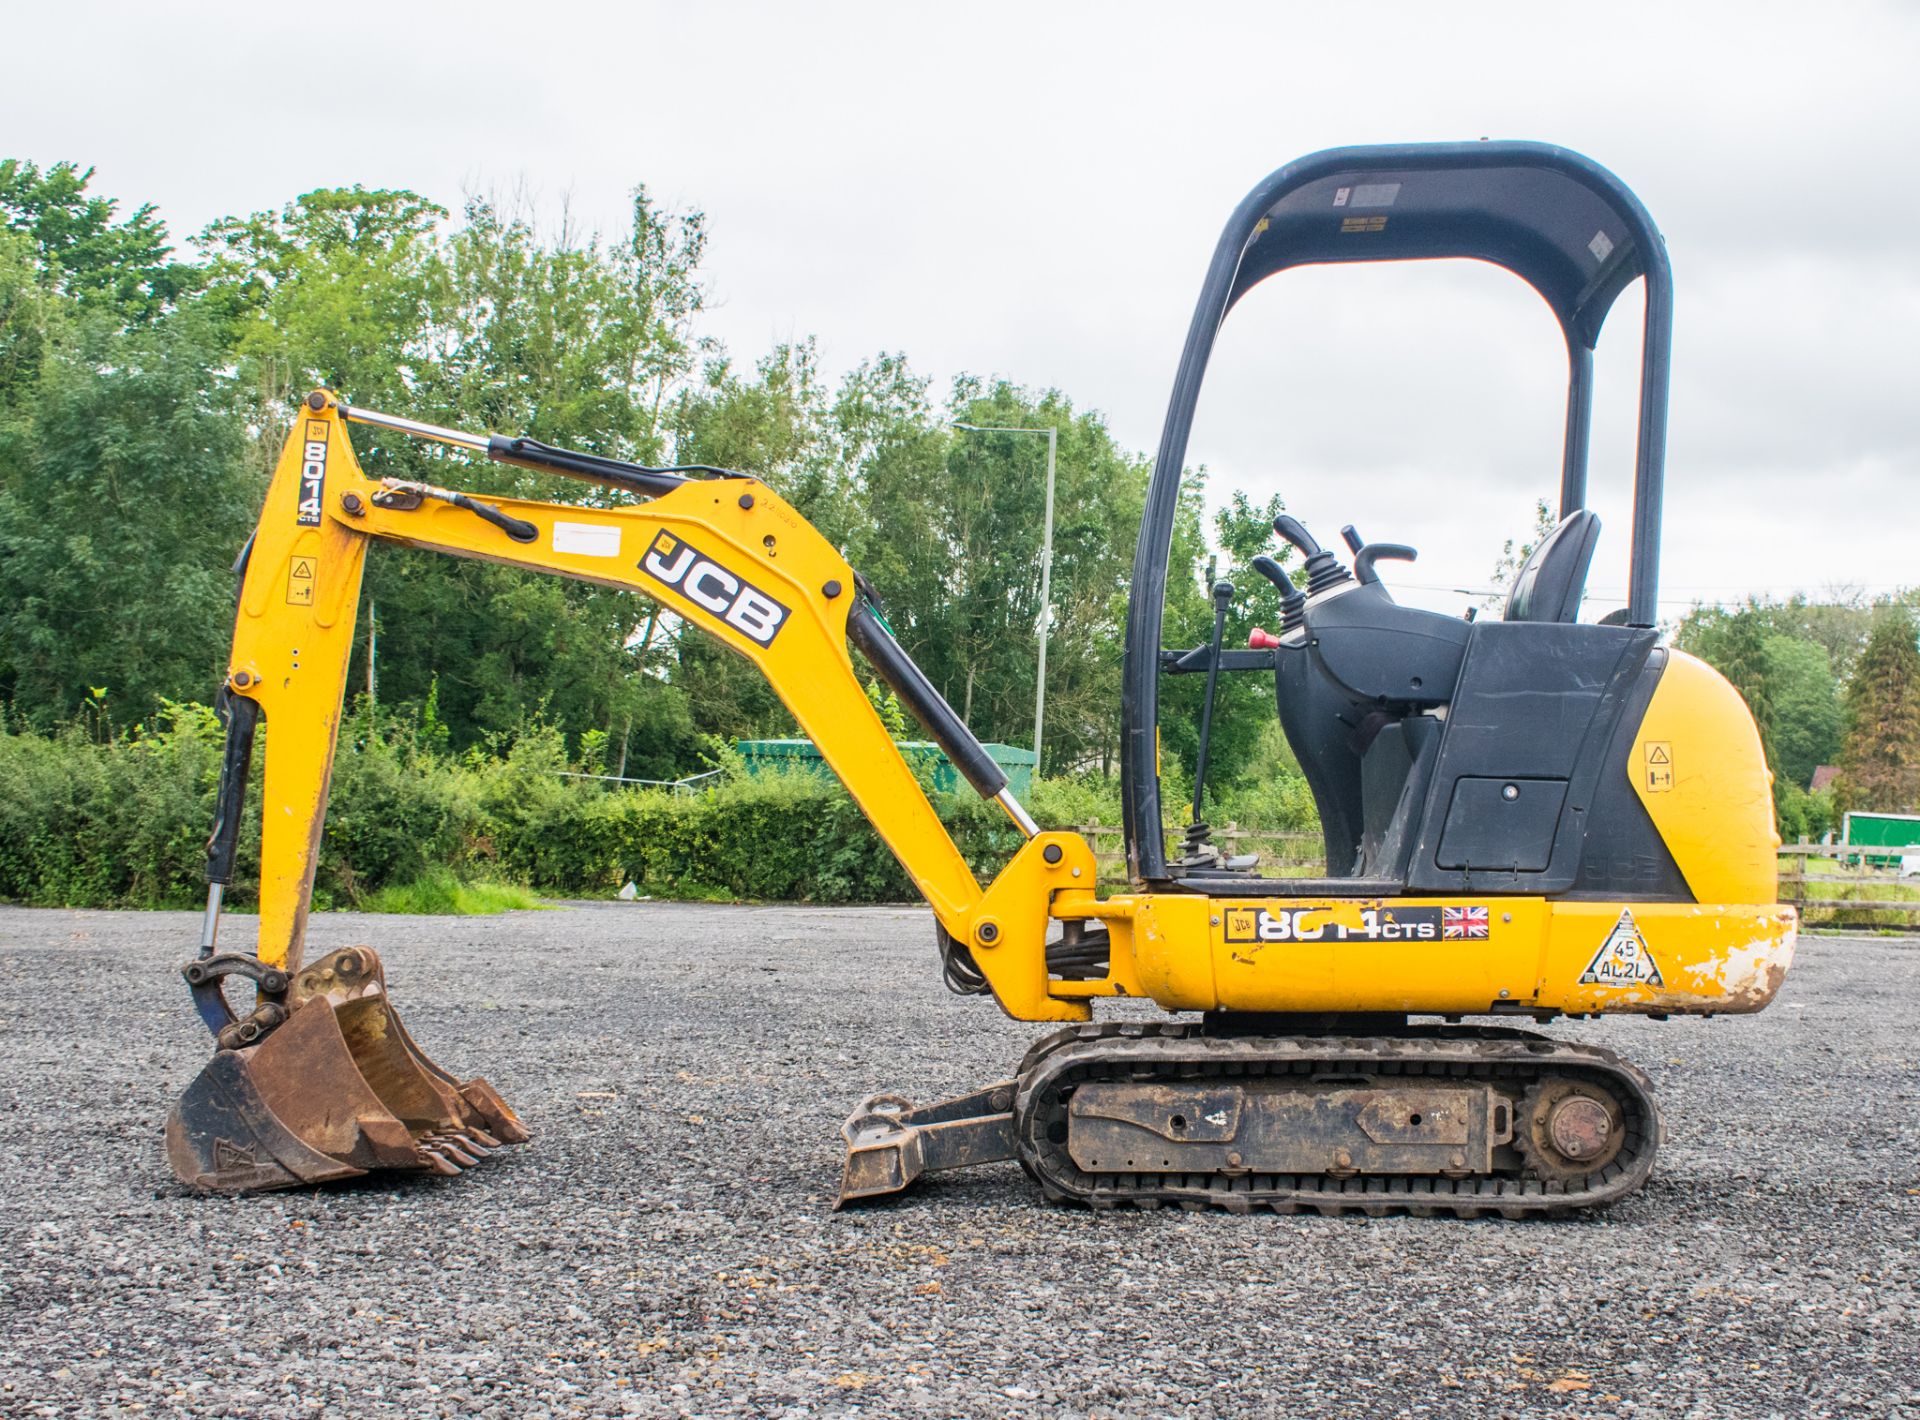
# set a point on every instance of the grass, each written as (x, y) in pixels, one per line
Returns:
(438, 893)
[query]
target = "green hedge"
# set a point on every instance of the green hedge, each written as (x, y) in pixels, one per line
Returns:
(124, 824)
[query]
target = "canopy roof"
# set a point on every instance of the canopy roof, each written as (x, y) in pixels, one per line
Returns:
(1557, 220)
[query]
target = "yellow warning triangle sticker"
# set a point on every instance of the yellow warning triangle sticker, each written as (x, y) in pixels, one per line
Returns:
(1657, 754)
(302, 567)
(1623, 959)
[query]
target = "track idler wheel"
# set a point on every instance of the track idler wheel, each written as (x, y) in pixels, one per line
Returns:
(1568, 1129)
(338, 1090)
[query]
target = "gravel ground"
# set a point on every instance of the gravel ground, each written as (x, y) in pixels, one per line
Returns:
(665, 1246)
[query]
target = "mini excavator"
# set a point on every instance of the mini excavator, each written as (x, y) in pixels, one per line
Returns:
(1525, 818)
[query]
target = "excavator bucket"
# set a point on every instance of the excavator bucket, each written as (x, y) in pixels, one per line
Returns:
(338, 1090)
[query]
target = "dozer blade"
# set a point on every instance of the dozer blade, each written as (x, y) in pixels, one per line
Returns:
(890, 1143)
(339, 1090)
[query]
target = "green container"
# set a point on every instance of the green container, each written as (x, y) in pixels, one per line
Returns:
(1896, 832)
(1015, 763)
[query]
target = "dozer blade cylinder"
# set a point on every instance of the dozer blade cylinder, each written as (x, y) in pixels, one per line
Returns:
(339, 1090)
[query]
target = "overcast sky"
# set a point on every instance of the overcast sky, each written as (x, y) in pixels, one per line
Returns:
(1033, 191)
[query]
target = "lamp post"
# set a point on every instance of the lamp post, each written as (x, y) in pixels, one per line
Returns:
(1046, 572)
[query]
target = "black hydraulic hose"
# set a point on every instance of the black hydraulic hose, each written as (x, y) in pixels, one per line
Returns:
(917, 693)
(519, 529)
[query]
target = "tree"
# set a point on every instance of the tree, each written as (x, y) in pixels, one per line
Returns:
(1808, 718)
(1880, 764)
(121, 267)
(954, 548)
(572, 339)
(1514, 553)
(31, 315)
(124, 495)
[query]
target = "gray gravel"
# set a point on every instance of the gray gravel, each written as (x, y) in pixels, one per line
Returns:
(665, 1245)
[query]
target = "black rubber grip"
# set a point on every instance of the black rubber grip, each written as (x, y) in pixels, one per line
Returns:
(929, 707)
(531, 453)
(242, 717)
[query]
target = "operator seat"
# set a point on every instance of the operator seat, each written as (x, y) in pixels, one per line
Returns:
(1554, 578)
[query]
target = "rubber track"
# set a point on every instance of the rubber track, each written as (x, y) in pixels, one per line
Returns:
(1508, 1059)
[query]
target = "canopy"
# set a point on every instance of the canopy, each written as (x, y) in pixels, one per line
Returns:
(1562, 224)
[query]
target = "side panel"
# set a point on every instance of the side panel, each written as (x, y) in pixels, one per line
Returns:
(1460, 955)
(1698, 768)
(1533, 718)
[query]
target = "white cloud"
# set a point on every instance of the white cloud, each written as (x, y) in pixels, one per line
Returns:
(1034, 191)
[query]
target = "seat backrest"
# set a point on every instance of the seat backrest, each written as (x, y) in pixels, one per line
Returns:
(1554, 578)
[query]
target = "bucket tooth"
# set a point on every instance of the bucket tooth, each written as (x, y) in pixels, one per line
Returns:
(495, 1114)
(451, 1149)
(337, 1091)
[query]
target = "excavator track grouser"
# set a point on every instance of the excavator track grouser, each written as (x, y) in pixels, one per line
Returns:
(1464, 1122)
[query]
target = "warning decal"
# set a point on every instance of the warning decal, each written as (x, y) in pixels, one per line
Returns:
(300, 581)
(1659, 756)
(1623, 959)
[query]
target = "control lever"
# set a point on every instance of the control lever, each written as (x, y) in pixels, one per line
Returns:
(1354, 541)
(1197, 850)
(1373, 552)
(1222, 599)
(1295, 532)
(1293, 601)
(1324, 571)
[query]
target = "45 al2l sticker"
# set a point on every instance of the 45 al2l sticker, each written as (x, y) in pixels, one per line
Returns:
(1624, 959)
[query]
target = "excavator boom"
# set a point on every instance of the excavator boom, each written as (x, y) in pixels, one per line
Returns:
(725, 553)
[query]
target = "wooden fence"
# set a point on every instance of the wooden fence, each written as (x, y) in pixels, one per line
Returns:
(1879, 895)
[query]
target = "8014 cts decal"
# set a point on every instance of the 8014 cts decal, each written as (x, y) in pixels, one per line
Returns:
(697, 577)
(313, 474)
(1377, 924)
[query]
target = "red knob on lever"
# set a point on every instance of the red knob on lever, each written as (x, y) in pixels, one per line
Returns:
(1261, 640)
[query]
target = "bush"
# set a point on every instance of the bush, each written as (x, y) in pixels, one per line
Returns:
(123, 823)
(117, 824)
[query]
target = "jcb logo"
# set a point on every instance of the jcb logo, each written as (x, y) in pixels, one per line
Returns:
(707, 584)
(313, 473)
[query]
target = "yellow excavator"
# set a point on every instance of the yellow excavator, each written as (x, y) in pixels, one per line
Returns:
(1525, 817)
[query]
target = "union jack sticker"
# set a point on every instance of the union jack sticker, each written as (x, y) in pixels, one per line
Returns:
(1464, 924)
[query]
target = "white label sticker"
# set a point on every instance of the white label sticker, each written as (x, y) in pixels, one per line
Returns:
(1376, 194)
(1601, 246)
(1623, 959)
(586, 539)
(1340, 196)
